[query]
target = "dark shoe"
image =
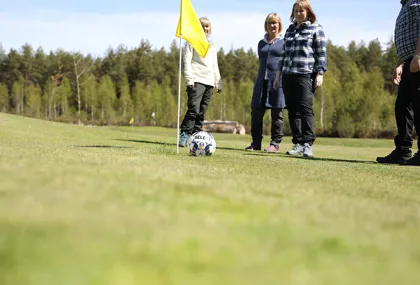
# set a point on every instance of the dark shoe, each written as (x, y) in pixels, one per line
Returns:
(253, 147)
(272, 148)
(395, 157)
(414, 161)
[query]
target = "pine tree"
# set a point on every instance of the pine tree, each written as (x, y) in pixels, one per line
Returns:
(4, 98)
(63, 94)
(124, 103)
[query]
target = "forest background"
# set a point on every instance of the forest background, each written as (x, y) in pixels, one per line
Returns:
(356, 100)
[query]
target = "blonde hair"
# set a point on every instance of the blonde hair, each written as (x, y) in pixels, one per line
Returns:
(305, 5)
(272, 17)
(204, 21)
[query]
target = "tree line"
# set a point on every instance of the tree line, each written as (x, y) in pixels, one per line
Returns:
(356, 100)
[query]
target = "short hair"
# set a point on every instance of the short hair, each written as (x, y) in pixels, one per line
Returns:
(204, 21)
(305, 5)
(272, 17)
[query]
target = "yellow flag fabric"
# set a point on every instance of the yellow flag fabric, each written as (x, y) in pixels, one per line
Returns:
(131, 121)
(190, 28)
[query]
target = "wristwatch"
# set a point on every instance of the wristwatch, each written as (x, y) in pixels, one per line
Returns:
(321, 72)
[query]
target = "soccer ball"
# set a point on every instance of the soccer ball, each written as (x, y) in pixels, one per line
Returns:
(201, 144)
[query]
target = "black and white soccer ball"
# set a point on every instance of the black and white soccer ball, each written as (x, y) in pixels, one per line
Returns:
(201, 144)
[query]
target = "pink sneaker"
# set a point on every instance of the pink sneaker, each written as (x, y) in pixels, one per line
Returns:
(272, 148)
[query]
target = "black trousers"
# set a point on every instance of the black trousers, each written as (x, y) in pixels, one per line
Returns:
(299, 92)
(257, 116)
(407, 110)
(199, 99)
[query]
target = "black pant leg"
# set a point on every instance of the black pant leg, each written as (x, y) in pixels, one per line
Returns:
(404, 114)
(194, 98)
(415, 94)
(277, 126)
(257, 115)
(204, 105)
(305, 91)
(289, 90)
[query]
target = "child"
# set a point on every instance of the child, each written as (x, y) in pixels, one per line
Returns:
(201, 76)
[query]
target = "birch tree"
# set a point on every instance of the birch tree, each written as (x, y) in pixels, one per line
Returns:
(81, 65)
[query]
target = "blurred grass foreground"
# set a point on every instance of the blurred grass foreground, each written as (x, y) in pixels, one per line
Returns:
(116, 205)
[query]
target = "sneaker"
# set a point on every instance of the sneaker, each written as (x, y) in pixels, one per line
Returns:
(272, 148)
(414, 161)
(183, 138)
(307, 150)
(296, 150)
(394, 157)
(253, 147)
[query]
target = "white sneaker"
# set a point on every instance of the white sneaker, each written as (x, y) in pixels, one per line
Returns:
(296, 150)
(307, 150)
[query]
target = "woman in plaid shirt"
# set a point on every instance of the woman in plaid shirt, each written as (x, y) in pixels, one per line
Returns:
(302, 64)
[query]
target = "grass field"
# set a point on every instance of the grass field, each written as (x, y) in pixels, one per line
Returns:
(116, 205)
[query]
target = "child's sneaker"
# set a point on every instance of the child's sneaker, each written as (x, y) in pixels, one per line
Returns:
(183, 138)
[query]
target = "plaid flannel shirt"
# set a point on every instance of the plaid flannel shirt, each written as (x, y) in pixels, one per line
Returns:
(304, 50)
(407, 29)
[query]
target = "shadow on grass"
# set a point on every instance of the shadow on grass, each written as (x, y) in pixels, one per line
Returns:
(149, 142)
(173, 144)
(164, 147)
(266, 154)
(103, 146)
(314, 158)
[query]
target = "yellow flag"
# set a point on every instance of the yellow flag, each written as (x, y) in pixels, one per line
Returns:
(190, 28)
(132, 120)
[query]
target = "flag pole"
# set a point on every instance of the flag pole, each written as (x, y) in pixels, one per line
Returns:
(179, 93)
(179, 81)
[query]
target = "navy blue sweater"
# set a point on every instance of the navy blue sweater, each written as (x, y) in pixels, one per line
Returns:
(268, 55)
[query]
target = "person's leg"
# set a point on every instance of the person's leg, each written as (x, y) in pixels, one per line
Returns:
(194, 99)
(404, 114)
(276, 130)
(277, 125)
(405, 120)
(415, 95)
(257, 115)
(305, 92)
(207, 94)
(289, 83)
(289, 89)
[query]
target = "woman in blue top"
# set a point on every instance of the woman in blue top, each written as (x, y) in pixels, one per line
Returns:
(264, 95)
(302, 64)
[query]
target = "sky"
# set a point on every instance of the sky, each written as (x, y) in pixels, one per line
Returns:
(92, 26)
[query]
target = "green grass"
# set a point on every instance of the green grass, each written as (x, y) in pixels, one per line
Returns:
(116, 205)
